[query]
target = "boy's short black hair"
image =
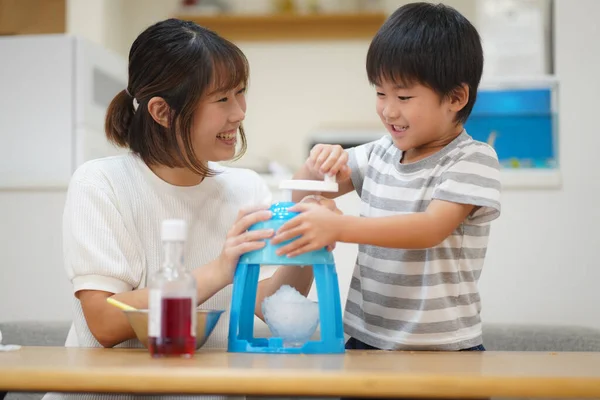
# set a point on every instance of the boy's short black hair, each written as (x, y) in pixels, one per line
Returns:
(429, 44)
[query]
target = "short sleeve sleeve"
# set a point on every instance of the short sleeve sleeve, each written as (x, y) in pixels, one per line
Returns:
(99, 252)
(358, 161)
(473, 179)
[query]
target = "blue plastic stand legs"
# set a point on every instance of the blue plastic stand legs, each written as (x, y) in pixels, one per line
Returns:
(245, 282)
(241, 323)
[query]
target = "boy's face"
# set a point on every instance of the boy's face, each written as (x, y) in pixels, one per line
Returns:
(415, 116)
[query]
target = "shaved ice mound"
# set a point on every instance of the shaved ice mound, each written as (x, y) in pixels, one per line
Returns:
(291, 316)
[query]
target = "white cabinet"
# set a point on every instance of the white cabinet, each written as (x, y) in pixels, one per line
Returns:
(55, 91)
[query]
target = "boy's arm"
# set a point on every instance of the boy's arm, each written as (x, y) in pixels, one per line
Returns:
(469, 190)
(318, 227)
(410, 231)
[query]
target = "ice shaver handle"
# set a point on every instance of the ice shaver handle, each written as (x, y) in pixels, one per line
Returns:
(328, 184)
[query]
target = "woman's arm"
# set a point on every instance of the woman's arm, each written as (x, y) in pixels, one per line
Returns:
(109, 325)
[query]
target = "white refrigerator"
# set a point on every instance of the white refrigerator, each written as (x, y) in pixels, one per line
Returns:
(54, 92)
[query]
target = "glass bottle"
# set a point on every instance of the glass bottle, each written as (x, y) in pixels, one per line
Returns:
(172, 298)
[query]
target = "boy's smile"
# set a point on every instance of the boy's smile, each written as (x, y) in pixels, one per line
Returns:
(417, 118)
(399, 129)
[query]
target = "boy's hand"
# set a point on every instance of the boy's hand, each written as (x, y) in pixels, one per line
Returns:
(322, 201)
(314, 228)
(325, 202)
(327, 159)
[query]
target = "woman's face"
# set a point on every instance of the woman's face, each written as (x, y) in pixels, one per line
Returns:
(216, 122)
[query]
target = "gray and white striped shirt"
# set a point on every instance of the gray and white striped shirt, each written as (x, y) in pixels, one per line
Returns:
(422, 299)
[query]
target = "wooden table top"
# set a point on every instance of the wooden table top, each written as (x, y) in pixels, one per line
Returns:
(357, 373)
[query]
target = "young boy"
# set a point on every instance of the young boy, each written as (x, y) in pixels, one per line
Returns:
(428, 190)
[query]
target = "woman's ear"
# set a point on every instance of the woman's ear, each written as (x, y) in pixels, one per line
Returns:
(458, 98)
(160, 111)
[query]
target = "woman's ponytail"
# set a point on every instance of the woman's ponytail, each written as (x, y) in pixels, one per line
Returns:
(118, 119)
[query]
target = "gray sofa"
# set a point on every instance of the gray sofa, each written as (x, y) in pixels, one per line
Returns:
(495, 337)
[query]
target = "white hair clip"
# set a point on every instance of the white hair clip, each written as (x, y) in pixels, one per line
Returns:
(135, 102)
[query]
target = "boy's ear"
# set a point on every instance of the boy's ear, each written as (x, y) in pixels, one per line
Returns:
(160, 111)
(458, 98)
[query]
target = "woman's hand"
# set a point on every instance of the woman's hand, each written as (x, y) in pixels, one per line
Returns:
(240, 240)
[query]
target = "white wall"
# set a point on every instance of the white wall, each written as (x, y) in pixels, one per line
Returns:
(100, 21)
(542, 262)
(301, 87)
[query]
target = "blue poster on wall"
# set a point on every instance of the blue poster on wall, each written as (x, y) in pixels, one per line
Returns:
(520, 123)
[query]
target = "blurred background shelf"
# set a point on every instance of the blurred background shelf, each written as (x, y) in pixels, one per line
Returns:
(28, 17)
(284, 27)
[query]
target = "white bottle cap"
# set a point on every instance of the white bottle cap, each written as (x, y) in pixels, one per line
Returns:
(327, 185)
(174, 230)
